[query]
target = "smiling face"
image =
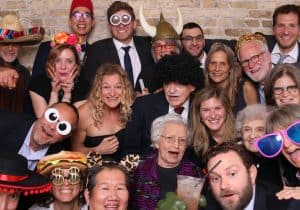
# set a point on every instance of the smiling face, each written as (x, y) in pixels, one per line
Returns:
(171, 144)
(82, 26)
(111, 90)
(251, 130)
(65, 65)
(288, 96)
(66, 192)
(287, 31)
(45, 133)
(290, 150)
(231, 182)
(213, 114)
(255, 61)
(218, 68)
(193, 41)
(9, 52)
(176, 94)
(110, 191)
(121, 32)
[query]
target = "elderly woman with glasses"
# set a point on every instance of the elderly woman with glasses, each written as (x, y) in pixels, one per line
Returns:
(283, 126)
(283, 85)
(66, 170)
(157, 175)
(250, 124)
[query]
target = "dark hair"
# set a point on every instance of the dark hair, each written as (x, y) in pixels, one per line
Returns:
(191, 25)
(117, 6)
(181, 68)
(93, 172)
(226, 147)
(286, 9)
(278, 72)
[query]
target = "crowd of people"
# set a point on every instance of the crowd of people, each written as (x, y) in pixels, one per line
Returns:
(110, 125)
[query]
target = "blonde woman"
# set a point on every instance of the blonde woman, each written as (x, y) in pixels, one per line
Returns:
(103, 117)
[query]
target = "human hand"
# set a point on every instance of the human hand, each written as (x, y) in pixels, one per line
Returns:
(288, 193)
(8, 77)
(109, 145)
(55, 84)
(68, 84)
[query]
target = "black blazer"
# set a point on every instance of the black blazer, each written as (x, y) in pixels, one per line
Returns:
(265, 199)
(104, 51)
(13, 130)
(145, 109)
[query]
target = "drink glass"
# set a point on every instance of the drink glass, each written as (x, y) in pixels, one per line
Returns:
(189, 189)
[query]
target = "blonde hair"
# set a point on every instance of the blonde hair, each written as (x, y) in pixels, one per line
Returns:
(200, 133)
(95, 96)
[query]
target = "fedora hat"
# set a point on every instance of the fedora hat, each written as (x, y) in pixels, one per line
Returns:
(16, 177)
(12, 31)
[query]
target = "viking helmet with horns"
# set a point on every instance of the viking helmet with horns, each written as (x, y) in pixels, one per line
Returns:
(163, 29)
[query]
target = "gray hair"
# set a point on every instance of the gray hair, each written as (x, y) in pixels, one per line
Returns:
(249, 113)
(263, 46)
(159, 124)
(176, 42)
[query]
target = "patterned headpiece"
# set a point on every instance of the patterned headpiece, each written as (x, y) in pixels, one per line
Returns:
(249, 37)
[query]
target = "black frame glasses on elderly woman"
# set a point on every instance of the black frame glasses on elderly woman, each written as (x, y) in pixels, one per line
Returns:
(62, 127)
(57, 177)
(116, 20)
(172, 139)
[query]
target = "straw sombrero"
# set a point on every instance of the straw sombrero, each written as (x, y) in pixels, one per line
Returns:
(16, 177)
(12, 31)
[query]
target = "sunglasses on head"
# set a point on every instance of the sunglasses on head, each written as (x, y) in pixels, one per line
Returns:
(58, 178)
(270, 145)
(62, 127)
(116, 20)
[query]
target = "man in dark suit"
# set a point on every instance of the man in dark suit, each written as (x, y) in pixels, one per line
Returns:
(284, 45)
(122, 47)
(81, 22)
(35, 138)
(180, 77)
(233, 182)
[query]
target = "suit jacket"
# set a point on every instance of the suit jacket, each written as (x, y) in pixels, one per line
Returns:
(265, 199)
(13, 130)
(104, 51)
(41, 58)
(145, 109)
(271, 41)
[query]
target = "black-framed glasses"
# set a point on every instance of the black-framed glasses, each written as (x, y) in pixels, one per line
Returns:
(292, 89)
(254, 59)
(85, 15)
(172, 139)
(58, 178)
(198, 38)
(116, 20)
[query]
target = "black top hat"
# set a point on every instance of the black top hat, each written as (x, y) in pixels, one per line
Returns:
(16, 177)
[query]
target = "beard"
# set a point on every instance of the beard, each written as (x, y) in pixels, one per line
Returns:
(244, 194)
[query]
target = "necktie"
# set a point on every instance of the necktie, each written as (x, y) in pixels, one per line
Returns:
(282, 58)
(128, 65)
(179, 110)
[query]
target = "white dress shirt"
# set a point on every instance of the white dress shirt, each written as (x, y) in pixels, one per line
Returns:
(32, 156)
(134, 57)
(185, 112)
(250, 205)
(292, 55)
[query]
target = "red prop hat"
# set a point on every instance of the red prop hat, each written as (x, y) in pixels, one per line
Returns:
(82, 3)
(16, 177)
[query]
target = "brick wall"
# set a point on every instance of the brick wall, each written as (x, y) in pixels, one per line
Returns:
(219, 18)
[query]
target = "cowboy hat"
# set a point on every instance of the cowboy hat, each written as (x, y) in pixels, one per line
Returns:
(12, 31)
(16, 177)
